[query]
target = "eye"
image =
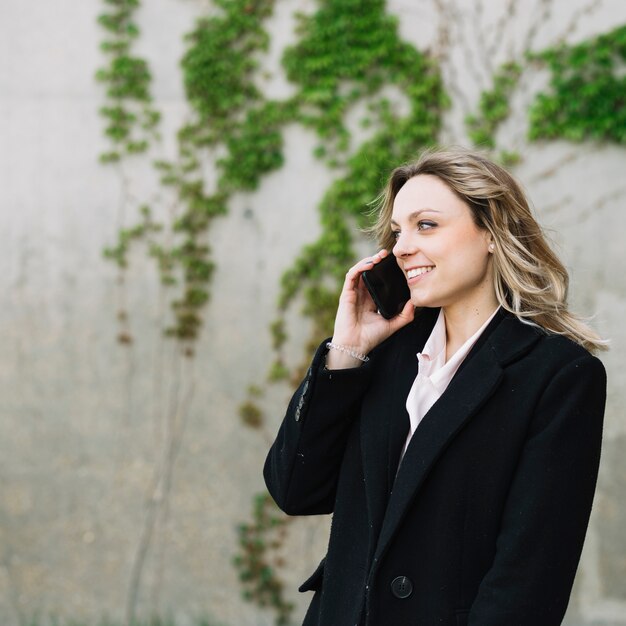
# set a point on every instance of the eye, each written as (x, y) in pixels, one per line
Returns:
(395, 234)
(425, 225)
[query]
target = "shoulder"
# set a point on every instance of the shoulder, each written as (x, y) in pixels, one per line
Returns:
(547, 349)
(559, 376)
(561, 347)
(572, 360)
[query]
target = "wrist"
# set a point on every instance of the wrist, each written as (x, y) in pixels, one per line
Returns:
(351, 343)
(342, 356)
(352, 351)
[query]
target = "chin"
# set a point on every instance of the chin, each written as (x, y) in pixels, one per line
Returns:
(423, 302)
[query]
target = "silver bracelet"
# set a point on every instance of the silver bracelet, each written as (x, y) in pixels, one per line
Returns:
(353, 353)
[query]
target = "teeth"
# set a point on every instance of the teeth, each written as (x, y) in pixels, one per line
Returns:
(419, 271)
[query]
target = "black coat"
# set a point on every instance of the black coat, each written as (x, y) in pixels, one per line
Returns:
(484, 521)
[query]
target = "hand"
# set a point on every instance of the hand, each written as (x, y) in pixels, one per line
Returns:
(357, 323)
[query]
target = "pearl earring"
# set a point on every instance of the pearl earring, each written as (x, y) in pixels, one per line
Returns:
(492, 247)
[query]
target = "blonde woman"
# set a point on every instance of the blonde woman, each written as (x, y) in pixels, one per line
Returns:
(457, 444)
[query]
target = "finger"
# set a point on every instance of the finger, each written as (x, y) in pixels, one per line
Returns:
(404, 317)
(369, 261)
(353, 274)
(363, 265)
(378, 256)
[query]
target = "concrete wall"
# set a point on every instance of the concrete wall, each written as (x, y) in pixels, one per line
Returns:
(89, 480)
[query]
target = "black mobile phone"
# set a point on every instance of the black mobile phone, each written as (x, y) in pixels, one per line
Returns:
(387, 285)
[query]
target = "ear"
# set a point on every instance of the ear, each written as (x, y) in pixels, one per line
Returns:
(491, 246)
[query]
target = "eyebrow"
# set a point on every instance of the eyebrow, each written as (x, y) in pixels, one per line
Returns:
(416, 214)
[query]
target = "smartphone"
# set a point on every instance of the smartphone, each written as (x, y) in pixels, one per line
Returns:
(387, 285)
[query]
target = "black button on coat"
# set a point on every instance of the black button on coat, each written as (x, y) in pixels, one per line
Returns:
(401, 587)
(485, 518)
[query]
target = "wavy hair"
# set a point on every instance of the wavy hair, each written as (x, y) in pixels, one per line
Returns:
(529, 279)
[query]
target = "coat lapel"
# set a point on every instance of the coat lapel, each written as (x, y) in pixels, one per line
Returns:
(503, 340)
(406, 371)
(384, 433)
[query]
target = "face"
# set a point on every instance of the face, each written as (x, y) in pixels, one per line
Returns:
(442, 252)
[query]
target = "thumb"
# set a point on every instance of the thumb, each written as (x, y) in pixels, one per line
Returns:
(404, 317)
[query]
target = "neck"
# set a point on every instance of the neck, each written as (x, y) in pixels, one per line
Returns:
(462, 321)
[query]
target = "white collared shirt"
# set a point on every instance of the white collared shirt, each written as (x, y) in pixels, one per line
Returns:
(434, 373)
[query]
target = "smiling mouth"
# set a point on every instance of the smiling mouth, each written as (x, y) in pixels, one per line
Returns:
(418, 271)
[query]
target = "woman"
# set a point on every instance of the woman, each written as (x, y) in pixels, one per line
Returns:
(457, 444)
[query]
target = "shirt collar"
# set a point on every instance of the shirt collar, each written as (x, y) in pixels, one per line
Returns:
(432, 363)
(436, 342)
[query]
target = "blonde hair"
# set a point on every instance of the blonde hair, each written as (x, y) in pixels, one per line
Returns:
(529, 279)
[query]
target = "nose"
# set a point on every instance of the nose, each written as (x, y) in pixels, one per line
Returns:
(404, 246)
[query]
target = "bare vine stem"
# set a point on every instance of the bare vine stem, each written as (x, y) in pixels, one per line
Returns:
(584, 11)
(442, 53)
(541, 18)
(497, 31)
(478, 27)
(159, 489)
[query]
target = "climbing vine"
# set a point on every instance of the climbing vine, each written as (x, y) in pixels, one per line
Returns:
(228, 115)
(587, 97)
(228, 111)
(131, 125)
(130, 118)
(257, 562)
(493, 109)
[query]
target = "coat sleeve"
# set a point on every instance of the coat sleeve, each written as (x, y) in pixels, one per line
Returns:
(302, 466)
(547, 510)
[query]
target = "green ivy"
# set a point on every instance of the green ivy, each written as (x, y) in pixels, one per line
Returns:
(493, 107)
(126, 236)
(220, 61)
(254, 561)
(131, 121)
(348, 50)
(255, 147)
(228, 112)
(587, 97)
